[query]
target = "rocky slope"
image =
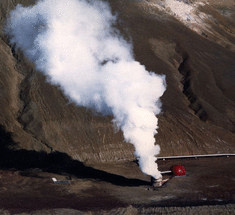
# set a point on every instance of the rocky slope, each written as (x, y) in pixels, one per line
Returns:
(191, 42)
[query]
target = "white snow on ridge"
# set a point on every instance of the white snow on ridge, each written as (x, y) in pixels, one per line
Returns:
(187, 13)
(180, 9)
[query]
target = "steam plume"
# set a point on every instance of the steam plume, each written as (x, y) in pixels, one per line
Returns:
(74, 44)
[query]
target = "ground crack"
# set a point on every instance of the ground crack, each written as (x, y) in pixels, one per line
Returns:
(24, 89)
(195, 104)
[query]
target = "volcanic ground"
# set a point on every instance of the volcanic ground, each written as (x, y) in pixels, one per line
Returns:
(43, 135)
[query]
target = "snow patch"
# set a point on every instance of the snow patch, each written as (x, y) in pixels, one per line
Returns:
(186, 12)
(180, 9)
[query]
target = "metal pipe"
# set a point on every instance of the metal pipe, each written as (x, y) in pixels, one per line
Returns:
(194, 156)
(166, 172)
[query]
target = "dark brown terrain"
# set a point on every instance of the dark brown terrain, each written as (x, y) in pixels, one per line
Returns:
(209, 181)
(42, 134)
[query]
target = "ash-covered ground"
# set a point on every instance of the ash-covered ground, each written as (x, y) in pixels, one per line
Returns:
(43, 135)
(208, 188)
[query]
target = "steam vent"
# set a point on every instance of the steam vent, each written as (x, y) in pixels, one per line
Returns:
(103, 103)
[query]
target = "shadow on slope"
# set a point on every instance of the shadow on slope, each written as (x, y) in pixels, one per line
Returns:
(55, 162)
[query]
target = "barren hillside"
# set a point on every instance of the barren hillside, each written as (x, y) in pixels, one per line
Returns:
(191, 42)
(198, 106)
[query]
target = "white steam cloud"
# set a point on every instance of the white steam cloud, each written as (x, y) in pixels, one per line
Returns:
(74, 43)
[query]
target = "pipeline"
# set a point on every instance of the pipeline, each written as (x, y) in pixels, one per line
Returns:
(177, 170)
(194, 156)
